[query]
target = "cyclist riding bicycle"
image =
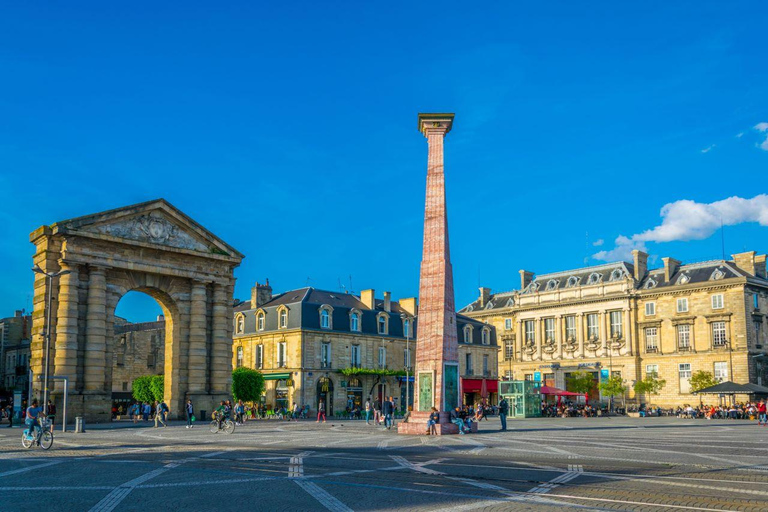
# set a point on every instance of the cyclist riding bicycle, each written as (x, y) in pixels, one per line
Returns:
(222, 413)
(33, 415)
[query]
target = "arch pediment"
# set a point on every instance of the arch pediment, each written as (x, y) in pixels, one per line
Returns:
(155, 222)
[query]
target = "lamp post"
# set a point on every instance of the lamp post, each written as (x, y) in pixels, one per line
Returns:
(49, 276)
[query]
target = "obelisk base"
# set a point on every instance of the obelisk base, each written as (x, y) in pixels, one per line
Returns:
(417, 425)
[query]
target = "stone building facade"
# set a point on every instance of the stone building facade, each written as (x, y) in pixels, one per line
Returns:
(15, 334)
(138, 350)
(302, 339)
(623, 318)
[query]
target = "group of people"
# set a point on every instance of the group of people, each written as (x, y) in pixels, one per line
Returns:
(567, 409)
(741, 411)
(464, 417)
(6, 413)
(146, 411)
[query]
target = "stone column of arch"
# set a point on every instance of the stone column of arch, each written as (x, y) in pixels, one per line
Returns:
(198, 349)
(66, 346)
(221, 351)
(96, 331)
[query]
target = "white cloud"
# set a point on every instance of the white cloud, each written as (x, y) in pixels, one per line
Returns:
(763, 128)
(708, 149)
(598, 243)
(688, 220)
(739, 135)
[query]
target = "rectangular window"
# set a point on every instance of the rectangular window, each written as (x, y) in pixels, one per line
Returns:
(469, 370)
(684, 336)
(652, 370)
(120, 359)
(281, 359)
(616, 325)
(530, 332)
(382, 357)
(150, 360)
(260, 322)
(354, 356)
(717, 301)
(508, 324)
(758, 324)
(485, 336)
(355, 322)
(549, 379)
(719, 338)
(755, 301)
(650, 308)
(325, 319)
(325, 355)
(125, 386)
(509, 349)
(593, 329)
(485, 366)
(239, 357)
(721, 371)
(549, 328)
(651, 339)
(529, 376)
(382, 323)
(685, 370)
(570, 328)
(508, 374)
(682, 305)
(259, 356)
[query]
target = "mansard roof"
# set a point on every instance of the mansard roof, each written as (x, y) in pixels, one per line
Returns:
(692, 273)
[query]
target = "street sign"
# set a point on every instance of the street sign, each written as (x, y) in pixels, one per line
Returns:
(604, 375)
(537, 376)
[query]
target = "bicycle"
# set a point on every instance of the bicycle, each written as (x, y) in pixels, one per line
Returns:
(43, 437)
(227, 425)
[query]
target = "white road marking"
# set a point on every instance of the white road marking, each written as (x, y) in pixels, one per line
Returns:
(416, 467)
(30, 468)
(322, 496)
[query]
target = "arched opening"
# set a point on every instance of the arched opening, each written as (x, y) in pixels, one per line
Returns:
(142, 330)
(325, 395)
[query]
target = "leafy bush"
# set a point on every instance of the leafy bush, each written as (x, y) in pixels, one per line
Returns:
(148, 388)
(158, 387)
(247, 384)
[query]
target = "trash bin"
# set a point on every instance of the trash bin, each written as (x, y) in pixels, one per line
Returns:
(79, 425)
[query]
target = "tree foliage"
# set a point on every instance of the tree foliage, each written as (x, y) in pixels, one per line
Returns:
(650, 385)
(348, 372)
(247, 384)
(702, 379)
(157, 386)
(613, 386)
(148, 388)
(581, 382)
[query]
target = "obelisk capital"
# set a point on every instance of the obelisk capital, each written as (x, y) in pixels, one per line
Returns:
(435, 122)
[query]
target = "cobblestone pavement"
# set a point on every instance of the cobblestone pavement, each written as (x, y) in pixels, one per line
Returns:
(541, 464)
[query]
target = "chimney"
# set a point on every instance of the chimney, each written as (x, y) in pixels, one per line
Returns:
(367, 298)
(760, 270)
(485, 296)
(161, 318)
(746, 261)
(640, 259)
(388, 302)
(525, 279)
(670, 267)
(18, 313)
(260, 294)
(409, 305)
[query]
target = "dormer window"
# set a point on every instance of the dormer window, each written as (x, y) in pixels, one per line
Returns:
(354, 321)
(511, 302)
(650, 284)
(594, 278)
(467, 334)
(683, 279)
(326, 317)
(617, 274)
(382, 323)
(282, 316)
(489, 305)
(532, 288)
(552, 284)
(470, 308)
(486, 336)
(260, 321)
(717, 275)
(240, 324)
(572, 281)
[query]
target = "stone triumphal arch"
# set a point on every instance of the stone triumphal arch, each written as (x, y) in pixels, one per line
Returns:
(150, 247)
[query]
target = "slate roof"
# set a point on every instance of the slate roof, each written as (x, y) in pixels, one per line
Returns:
(700, 272)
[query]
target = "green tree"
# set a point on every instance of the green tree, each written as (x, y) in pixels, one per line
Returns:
(702, 379)
(581, 382)
(141, 388)
(247, 384)
(613, 386)
(650, 385)
(157, 386)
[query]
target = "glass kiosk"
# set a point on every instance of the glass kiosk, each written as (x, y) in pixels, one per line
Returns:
(523, 396)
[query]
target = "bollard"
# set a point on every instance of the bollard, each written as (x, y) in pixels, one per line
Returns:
(79, 425)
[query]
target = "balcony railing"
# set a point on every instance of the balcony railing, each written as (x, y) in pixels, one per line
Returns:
(651, 350)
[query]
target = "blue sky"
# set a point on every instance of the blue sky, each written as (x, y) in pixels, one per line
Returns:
(291, 132)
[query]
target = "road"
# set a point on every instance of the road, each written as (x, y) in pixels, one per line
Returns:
(539, 464)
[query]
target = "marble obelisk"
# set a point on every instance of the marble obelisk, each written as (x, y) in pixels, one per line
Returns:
(437, 360)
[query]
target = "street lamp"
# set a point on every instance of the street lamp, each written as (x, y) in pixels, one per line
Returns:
(49, 276)
(407, 325)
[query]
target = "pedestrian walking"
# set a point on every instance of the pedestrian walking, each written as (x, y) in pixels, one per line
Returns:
(159, 416)
(503, 411)
(190, 410)
(320, 411)
(762, 413)
(368, 408)
(377, 412)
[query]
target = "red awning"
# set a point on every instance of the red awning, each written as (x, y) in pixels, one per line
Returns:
(476, 385)
(549, 390)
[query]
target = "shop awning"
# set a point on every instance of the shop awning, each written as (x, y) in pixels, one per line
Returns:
(549, 390)
(476, 385)
(277, 376)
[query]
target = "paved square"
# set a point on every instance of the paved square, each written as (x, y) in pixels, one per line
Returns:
(541, 464)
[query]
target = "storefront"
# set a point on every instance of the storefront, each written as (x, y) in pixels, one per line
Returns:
(277, 389)
(325, 394)
(479, 390)
(354, 394)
